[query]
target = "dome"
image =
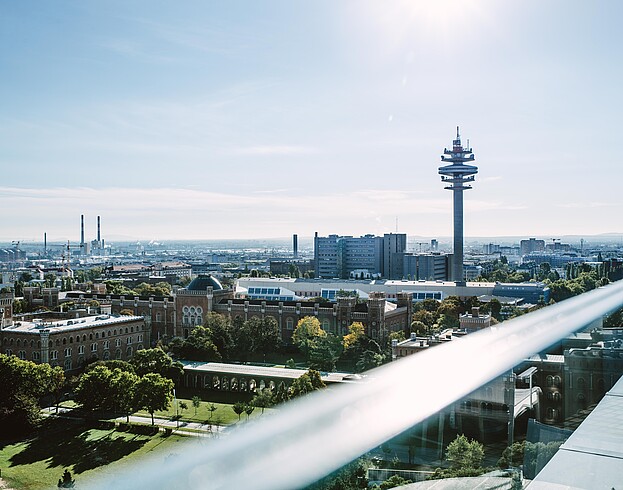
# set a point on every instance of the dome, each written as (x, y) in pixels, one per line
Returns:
(202, 282)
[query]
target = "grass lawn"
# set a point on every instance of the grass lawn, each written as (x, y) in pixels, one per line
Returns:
(39, 462)
(223, 415)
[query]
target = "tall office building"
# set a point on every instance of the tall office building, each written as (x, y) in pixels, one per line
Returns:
(346, 256)
(394, 247)
(531, 245)
(457, 174)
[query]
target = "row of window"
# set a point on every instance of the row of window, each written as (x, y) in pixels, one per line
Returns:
(36, 356)
(81, 349)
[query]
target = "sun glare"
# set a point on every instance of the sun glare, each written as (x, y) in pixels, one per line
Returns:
(402, 22)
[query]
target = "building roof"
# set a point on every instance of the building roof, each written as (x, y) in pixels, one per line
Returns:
(72, 324)
(202, 282)
(259, 371)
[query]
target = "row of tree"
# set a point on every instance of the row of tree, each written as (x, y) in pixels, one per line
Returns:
(119, 391)
(220, 338)
(143, 289)
(325, 349)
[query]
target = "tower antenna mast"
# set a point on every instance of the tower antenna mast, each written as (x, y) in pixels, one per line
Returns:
(457, 175)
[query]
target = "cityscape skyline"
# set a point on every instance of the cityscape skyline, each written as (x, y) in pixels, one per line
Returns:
(240, 121)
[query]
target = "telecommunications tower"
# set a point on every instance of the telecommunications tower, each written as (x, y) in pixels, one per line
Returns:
(456, 175)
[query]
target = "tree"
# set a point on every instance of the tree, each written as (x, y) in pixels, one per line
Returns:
(153, 392)
(323, 352)
(66, 481)
(95, 389)
(112, 364)
(512, 456)
(211, 408)
(392, 482)
(156, 361)
(248, 409)
(308, 382)
(355, 330)
(238, 408)
(57, 383)
(123, 391)
(222, 333)
(263, 399)
(419, 328)
(464, 454)
(126, 312)
(369, 360)
(23, 384)
(197, 347)
(426, 317)
(183, 406)
(196, 403)
(307, 329)
(264, 334)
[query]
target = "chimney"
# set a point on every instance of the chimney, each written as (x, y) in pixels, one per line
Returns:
(98, 231)
(82, 231)
(295, 245)
(45, 243)
(475, 311)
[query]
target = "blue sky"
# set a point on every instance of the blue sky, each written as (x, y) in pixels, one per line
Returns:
(240, 119)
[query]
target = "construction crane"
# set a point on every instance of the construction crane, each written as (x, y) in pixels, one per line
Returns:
(67, 272)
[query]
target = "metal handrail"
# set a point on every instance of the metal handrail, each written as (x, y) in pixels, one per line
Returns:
(310, 437)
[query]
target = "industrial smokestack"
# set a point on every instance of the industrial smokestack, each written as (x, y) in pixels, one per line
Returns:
(98, 231)
(45, 243)
(295, 245)
(82, 231)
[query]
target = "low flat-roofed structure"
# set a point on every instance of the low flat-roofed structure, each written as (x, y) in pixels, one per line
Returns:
(220, 376)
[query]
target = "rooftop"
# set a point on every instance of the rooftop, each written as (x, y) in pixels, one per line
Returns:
(69, 325)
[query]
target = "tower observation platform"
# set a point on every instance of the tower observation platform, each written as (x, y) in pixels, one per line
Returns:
(457, 175)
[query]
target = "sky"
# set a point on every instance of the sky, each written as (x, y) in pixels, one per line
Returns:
(212, 120)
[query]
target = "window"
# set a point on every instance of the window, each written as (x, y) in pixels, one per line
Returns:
(36, 356)
(67, 364)
(8, 352)
(94, 347)
(67, 352)
(81, 349)
(106, 344)
(54, 354)
(289, 324)
(140, 337)
(22, 354)
(128, 340)
(118, 343)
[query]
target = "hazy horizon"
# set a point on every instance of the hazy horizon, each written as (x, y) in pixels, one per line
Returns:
(246, 120)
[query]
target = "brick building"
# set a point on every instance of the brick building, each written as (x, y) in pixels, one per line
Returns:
(70, 341)
(177, 314)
